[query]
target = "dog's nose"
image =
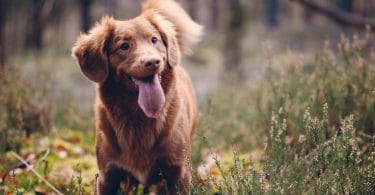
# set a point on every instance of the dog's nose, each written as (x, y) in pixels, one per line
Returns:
(152, 63)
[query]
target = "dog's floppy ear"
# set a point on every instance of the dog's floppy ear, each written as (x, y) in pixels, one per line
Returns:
(91, 50)
(168, 35)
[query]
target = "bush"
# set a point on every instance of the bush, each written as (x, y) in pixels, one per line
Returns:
(345, 81)
(316, 119)
(23, 109)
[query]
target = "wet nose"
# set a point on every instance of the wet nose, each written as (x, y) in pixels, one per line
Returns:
(152, 63)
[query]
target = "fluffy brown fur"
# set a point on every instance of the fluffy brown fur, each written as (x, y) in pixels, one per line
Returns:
(139, 140)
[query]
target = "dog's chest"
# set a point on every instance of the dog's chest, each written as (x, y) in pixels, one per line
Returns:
(137, 156)
(138, 162)
(137, 140)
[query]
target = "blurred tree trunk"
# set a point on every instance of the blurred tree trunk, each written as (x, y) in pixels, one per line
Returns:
(192, 9)
(2, 33)
(85, 6)
(272, 9)
(338, 15)
(110, 7)
(56, 19)
(232, 47)
(308, 14)
(215, 13)
(36, 28)
(346, 6)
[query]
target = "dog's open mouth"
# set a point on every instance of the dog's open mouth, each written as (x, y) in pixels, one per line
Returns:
(151, 97)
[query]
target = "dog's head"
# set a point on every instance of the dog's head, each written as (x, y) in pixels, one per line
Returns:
(137, 52)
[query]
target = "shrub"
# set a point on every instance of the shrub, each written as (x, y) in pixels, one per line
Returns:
(344, 80)
(23, 109)
(316, 118)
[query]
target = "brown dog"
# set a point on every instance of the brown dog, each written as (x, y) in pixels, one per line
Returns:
(145, 104)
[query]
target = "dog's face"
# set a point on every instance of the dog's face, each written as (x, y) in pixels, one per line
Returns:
(137, 52)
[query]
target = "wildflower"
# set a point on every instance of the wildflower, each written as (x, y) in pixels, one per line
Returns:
(273, 124)
(347, 126)
(301, 138)
(281, 130)
(262, 179)
(306, 115)
(291, 186)
(284, 125)
(315, 157)
(325, 111)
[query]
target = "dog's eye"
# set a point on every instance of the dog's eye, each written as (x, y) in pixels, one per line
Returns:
(125, 46)
(154, 40)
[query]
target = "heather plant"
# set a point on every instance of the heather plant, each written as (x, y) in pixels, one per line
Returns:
(23, 110)
(343, 78)
(315, 119)
(317, 163)
(322, 160)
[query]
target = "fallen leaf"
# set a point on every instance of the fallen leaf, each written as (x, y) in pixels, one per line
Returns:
(75, 139)
(61, 151)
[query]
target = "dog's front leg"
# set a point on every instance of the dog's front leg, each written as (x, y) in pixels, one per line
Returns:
(177, 179)
(109, 181)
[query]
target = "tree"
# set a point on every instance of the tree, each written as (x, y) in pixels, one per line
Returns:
(338, 15)
(2, 27)
(346, 5)
(110, 6)
(192, 9)
(215, 13)
(232, 47)
(36, 28)
(85, 6)
(272, 7)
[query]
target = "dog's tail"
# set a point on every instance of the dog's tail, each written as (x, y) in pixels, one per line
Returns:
(188, 31)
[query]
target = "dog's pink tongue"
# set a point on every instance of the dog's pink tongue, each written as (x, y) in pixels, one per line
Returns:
(151, 96)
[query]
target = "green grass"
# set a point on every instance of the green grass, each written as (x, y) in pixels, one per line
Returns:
(305, 127)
